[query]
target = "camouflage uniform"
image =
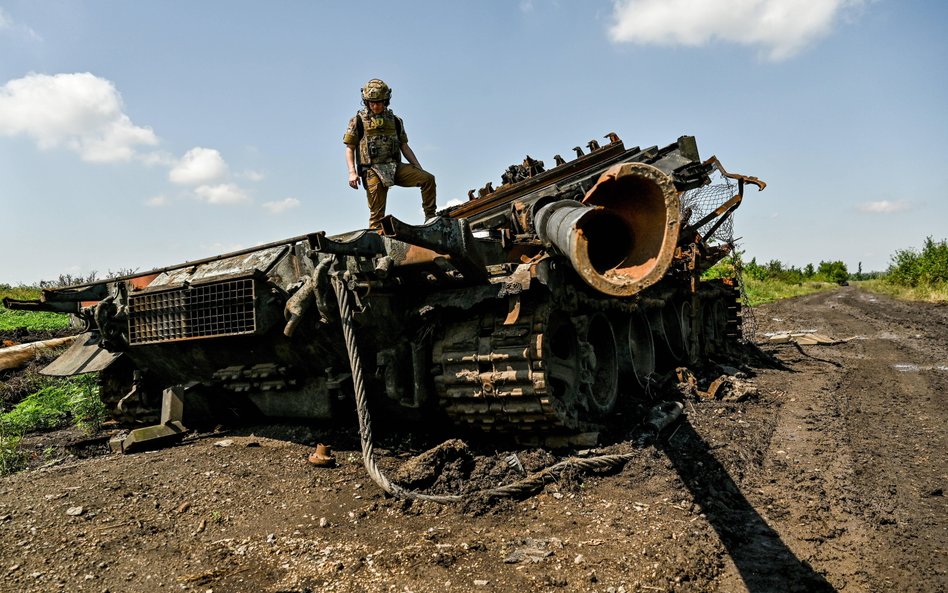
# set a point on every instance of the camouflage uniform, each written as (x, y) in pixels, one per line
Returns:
(380, 163)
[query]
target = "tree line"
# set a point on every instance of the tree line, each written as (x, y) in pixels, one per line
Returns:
(927, 267)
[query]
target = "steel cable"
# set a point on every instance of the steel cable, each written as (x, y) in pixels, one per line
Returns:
(522, 487)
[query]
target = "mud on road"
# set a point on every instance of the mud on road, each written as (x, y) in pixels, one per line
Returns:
(832, 479)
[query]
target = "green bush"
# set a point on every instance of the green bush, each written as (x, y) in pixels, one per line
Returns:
(832, 271)
(928, 268)
(72, 399)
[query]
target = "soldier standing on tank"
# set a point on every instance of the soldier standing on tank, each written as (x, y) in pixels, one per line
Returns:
(375, 142)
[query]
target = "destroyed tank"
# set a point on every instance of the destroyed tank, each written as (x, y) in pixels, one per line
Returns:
(529, 310)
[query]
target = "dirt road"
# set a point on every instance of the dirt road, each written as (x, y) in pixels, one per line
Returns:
(831, 480)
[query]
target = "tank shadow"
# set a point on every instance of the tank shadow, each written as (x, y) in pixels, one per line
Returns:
(765, 563)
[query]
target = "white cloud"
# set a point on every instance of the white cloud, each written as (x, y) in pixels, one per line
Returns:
(780, 28)
(8, 24)
(222, 194)
(81, 112)
(281, 206)
(251, 175)
(158, 157)
(883, 207)
(157, 201)
(198, 166)
(85, 114)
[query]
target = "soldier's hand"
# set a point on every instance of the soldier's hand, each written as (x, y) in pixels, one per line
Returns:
(353, 181)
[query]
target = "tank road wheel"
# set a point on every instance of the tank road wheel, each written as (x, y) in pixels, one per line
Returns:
(714, 324)
(673, 324)
(561, 360)
(599, 372)
(636, 347)
(686, 315)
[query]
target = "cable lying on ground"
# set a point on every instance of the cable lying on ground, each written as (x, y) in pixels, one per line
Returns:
(658, 418)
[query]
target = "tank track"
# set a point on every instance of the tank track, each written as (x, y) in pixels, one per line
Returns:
(506, 377)
(494, 376)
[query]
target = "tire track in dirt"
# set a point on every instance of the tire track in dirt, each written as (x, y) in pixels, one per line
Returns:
(859, 448)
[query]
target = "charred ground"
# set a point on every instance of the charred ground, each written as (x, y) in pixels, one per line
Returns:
(832, 479)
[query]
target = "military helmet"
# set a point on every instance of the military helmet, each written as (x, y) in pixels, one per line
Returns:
(376, 90)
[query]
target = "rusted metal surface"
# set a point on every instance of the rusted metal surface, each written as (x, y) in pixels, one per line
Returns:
(84, 356)
(505, 194)
(260, 260)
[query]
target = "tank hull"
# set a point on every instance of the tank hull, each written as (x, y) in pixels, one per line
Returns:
(533, 309)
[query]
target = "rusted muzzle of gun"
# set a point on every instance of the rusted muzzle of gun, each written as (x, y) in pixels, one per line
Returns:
(621, 237)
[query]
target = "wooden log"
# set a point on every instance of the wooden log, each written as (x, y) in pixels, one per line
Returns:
(14, 357)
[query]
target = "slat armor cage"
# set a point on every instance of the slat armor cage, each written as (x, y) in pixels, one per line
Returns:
(191, 312)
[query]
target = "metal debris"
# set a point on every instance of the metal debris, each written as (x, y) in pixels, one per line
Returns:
(804, 338)
(514, 462)
(322, 456)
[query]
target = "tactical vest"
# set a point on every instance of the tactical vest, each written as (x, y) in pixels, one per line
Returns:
(379, 137)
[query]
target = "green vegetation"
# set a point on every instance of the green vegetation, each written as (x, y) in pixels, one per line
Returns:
(30, 401)
(33, 321)
(768, 291)
(926, 268)
(72, 399)
(930, 294)
(918, 275)
(774, 281)
(912, 275)
(12, 459)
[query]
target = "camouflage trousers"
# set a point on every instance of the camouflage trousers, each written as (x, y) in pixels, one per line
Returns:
(407, 175)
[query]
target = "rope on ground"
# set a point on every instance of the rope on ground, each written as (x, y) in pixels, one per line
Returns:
(522, 487)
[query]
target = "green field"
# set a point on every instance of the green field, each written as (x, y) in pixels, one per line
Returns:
(32, 321)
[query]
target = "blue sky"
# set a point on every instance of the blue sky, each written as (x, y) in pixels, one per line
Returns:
(142, 134)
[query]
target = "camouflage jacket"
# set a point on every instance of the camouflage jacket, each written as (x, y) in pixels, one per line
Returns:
(379, 137)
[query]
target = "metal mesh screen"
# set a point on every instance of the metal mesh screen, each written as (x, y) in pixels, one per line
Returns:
(699, 202)
(703, 200)
(210, 310)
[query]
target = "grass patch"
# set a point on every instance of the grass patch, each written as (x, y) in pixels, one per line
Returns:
(768, 291)
(12, 458)
(928, 293)
(72, 399)
(30, 320)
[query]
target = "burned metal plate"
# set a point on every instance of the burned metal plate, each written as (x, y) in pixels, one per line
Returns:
(84, 356)
(247, 263)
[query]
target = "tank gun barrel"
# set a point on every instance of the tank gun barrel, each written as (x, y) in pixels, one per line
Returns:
(621, 237)
(59, 300)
